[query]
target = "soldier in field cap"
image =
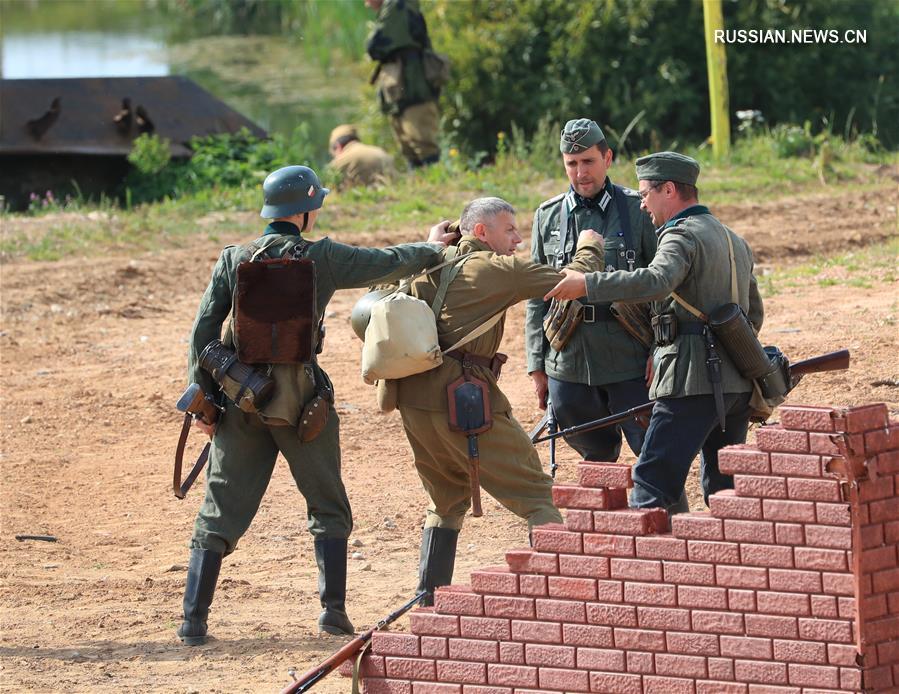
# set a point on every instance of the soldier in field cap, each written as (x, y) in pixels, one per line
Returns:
(601, 369)
(700, 265)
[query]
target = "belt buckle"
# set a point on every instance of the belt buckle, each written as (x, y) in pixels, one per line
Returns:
(589, 315)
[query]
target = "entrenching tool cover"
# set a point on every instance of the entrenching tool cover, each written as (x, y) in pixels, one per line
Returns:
(469, 405)
(275, 319)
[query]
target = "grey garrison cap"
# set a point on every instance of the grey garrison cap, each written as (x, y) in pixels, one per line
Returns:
(668, 166)
(579, 135)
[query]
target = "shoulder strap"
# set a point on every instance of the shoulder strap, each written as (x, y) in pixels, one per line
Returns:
(477, 332)
(733, 283)
(624, 216)
(447, 275)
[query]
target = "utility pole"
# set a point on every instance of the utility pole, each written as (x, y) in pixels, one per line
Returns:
(716, 60)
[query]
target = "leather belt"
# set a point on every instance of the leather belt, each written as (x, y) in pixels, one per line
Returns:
(690, 327)
(593, 313)
(494, 363)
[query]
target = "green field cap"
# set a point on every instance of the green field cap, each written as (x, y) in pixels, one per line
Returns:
(580, 134)
(668, 166)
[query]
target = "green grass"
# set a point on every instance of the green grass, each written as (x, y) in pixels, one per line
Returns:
(420, 198)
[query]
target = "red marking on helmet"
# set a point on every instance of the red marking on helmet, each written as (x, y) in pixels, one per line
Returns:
(311, 191)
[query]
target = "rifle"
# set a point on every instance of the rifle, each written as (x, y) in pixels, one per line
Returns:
(306, 682)
(832, 361)
(599, 423)
(548, 421)
(195, 404)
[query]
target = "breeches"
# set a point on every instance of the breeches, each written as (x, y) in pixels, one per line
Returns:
(510, 469)
(241, 462)
(416, 130)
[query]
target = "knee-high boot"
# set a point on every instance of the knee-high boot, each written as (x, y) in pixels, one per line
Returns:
(202, 575)
(437, 559)
(330, 555)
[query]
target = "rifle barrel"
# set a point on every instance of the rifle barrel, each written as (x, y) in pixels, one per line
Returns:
(599, 423)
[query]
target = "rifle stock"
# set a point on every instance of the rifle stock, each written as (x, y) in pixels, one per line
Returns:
(317, 673)
(832, 361)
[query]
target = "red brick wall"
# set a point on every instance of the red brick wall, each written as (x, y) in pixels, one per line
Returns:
(788, 584)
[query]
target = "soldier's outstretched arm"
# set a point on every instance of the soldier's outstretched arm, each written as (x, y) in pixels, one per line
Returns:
(356, 266)
(534, 340)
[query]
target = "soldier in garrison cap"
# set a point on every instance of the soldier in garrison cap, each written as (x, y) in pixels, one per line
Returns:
(398, 41)
(601, 370)
(245, 445)
(699, 266)
(357, 163)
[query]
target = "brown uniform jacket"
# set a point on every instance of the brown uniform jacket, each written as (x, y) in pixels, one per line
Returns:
(486, 284)
(363, 165)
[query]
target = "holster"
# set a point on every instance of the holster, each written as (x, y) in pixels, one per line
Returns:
(561, 321)
(275, 318)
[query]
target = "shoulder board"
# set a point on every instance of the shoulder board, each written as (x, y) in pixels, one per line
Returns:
(552, 201)
(630, 192)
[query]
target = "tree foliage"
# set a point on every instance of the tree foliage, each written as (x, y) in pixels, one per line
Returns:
(520, 61)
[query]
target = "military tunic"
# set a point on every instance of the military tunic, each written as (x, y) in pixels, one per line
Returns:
(510, 469)
(600, 371)
(397, 40)
(363, 165)
(692, 260)
(245, 446)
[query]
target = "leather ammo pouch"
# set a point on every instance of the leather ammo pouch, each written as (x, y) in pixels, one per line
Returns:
(634, 318)
(664, 329)
(561, 321)
(275, 319)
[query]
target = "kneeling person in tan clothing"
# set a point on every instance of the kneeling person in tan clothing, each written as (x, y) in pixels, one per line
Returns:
(492, 280)
(357, 163)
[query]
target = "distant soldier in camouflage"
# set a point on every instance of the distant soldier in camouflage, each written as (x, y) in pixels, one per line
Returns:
(356, 163)
(492, 280)
(694, 271)
(398, 41)
(245, 445)
(601, 370)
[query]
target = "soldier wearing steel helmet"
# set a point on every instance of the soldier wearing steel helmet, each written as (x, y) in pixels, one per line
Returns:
(244, 445)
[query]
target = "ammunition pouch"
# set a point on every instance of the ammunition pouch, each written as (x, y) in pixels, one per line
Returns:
(561, 321)
(634, 318)
(664, 329)
(246, 387)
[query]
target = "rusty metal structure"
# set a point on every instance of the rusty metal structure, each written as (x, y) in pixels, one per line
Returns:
(76, 133)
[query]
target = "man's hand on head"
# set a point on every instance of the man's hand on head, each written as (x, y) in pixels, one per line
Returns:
(440, 234)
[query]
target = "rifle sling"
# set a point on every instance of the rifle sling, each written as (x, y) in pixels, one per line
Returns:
(178, 487)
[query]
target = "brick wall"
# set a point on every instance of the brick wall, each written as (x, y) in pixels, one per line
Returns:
(788, 584)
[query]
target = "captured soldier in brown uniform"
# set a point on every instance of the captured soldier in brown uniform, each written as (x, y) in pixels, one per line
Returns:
(358, 164)
(489, 282)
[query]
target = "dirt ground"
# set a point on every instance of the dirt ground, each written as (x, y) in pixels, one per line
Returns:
(93, 356)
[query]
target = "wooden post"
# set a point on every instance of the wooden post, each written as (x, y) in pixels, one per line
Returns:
(716, 59)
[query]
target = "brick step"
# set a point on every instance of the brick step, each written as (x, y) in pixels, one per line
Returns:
(605, 475)
(571, 496)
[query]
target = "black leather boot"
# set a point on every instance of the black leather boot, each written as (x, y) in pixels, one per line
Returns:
(438, 557)
(330, 555)
(202, 574)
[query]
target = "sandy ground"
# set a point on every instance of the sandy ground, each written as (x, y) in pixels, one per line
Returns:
(92, 363)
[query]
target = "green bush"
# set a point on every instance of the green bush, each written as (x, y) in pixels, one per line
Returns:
(642, 62)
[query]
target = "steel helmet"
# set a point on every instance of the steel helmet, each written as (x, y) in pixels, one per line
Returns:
(362, 310)
(291, 190)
